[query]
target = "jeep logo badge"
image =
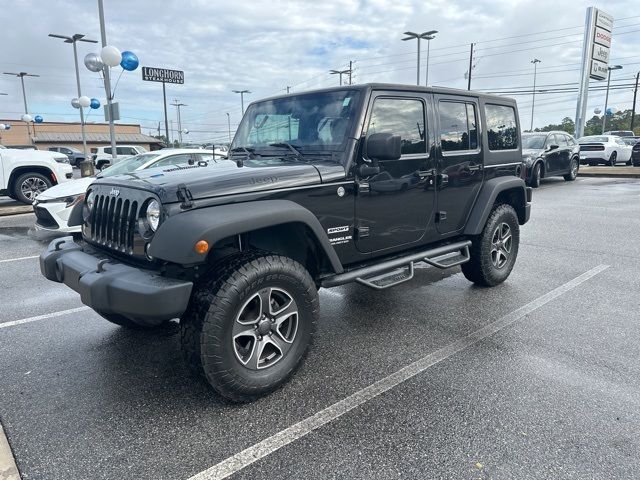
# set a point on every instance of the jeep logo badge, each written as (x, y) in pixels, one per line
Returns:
(115, 192)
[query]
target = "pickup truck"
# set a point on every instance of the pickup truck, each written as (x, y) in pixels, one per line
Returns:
(26, 173)
(350, 184)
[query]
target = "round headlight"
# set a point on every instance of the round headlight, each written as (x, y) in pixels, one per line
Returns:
(153, 214)
(91, 199)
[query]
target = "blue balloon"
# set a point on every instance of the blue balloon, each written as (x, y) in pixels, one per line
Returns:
(95, 103)
(38, 119)
(129, 61)
(609, 112)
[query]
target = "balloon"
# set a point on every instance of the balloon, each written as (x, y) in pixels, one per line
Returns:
(111, 56)
(93, 62)
(75, 103)
(129, 61)
(3, 126)
(84, 101)
(38, 119)
(185, 131)
(95, 103)
(27, 118)
(597, 111)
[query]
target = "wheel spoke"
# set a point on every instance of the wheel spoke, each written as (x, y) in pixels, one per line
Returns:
(251, 311)
(244, 346)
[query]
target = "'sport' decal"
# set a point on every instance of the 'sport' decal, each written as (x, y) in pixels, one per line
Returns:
(344, 228)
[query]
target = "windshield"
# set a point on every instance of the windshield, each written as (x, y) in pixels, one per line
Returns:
(316, 121)
(593, 139)
(533, 141)
(128, 165)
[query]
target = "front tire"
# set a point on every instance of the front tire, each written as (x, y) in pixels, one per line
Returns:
(248, 328)
(613, 159)
(573, 170)
(29, 185)
(535, 175)
(494, 251)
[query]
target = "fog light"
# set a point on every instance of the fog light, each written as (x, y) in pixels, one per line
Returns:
(202, 247)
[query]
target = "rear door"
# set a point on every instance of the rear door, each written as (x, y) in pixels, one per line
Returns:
(460, 165)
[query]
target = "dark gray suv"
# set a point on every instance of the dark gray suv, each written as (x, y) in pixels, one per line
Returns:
(548, 154)
(74, 155)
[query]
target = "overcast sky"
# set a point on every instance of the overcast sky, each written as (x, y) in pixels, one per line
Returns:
(265, 46)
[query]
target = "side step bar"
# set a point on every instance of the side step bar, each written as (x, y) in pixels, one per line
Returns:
(392, 272)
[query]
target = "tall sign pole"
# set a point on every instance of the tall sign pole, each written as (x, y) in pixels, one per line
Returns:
(164, 75)
(596, 46)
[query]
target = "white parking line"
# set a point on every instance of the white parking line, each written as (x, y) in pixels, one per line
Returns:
(13, 323)
(269, 445)
(19, 258)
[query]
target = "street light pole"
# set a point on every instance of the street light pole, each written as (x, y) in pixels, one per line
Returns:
(229, 125)
(606, 97)
(418, 37)
(535, 62)
(107, 84)
(428, 38)
(74, 39)
(340, 72)
(21, 75)
(241, 92)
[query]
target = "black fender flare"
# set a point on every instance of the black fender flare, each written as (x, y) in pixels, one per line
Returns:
(177, 235)
(487, 198)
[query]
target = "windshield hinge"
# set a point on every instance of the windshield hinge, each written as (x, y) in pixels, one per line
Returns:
(184, 195)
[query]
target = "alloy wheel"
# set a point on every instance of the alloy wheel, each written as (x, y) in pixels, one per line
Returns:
(501, 242)
(265, 328)
(32, 186)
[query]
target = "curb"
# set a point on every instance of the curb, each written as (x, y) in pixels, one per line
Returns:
(15, 210)
(609, 175)
(8, 468)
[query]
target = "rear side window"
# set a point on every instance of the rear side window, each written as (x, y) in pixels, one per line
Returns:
(107, 150)
(502, 128)
(458, 126)
(561, 140)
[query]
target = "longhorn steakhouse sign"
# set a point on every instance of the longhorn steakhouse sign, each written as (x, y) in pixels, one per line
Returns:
(163, 75)
(596, 48)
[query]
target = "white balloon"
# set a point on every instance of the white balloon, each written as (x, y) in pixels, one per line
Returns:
(84, 101)
(2, 126)
(597, 111)
(111, 56)
(27, 118)
(185, 131)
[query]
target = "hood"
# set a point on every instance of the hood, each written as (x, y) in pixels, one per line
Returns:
(531, 152)
(226, 178)
(67, 189)
(19, 154)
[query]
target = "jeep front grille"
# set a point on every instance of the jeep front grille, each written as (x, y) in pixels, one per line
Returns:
(113, 222)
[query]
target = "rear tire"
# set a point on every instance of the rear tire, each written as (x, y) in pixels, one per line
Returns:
(494, 251)
(574, 166)
(613, 159)
(248, 328)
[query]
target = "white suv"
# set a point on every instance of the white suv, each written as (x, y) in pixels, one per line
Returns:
(102, 155)
(26, 173)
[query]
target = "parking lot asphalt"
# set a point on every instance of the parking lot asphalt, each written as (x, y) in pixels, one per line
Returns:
(555, 393)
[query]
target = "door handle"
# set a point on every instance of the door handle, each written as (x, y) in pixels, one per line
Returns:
(426, 173)
(475, 167)
(442, 179)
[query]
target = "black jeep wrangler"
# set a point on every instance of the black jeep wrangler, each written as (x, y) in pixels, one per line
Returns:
(349, 184)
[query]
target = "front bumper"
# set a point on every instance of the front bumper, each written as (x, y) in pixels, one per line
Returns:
(111, 287)
(54, 216)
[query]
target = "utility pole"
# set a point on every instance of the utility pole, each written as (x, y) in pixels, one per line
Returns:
(340, 72)
(635, 93)
(241, 92)
(176, 103)
(606, 97)
(535, 62)
(74, 39)
(107, 84)
(21, 75)
(350, 70)
(470, 67)
(229, 125)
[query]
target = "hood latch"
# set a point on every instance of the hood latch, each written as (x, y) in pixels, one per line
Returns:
(184, 195)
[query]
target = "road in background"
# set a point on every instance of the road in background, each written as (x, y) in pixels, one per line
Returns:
(554, 395)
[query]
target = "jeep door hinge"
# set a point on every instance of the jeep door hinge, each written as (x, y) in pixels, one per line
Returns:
(184, 195)
(363, 187)
(362, 232)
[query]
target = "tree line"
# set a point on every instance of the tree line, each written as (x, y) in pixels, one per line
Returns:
(618, 121)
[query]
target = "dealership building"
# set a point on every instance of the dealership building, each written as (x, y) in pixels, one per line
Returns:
(69, 134)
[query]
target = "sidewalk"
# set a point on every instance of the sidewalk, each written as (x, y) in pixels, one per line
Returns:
(612, 172)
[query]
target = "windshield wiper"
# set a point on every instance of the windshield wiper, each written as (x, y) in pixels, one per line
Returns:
(293, 148)
(248, 151)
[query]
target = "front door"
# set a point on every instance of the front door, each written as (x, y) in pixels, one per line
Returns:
(460, 168)
(394, 206)
(553, 157)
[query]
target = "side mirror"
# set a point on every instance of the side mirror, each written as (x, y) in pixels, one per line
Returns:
(383, 146)
(366, 170)
(553, 147)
